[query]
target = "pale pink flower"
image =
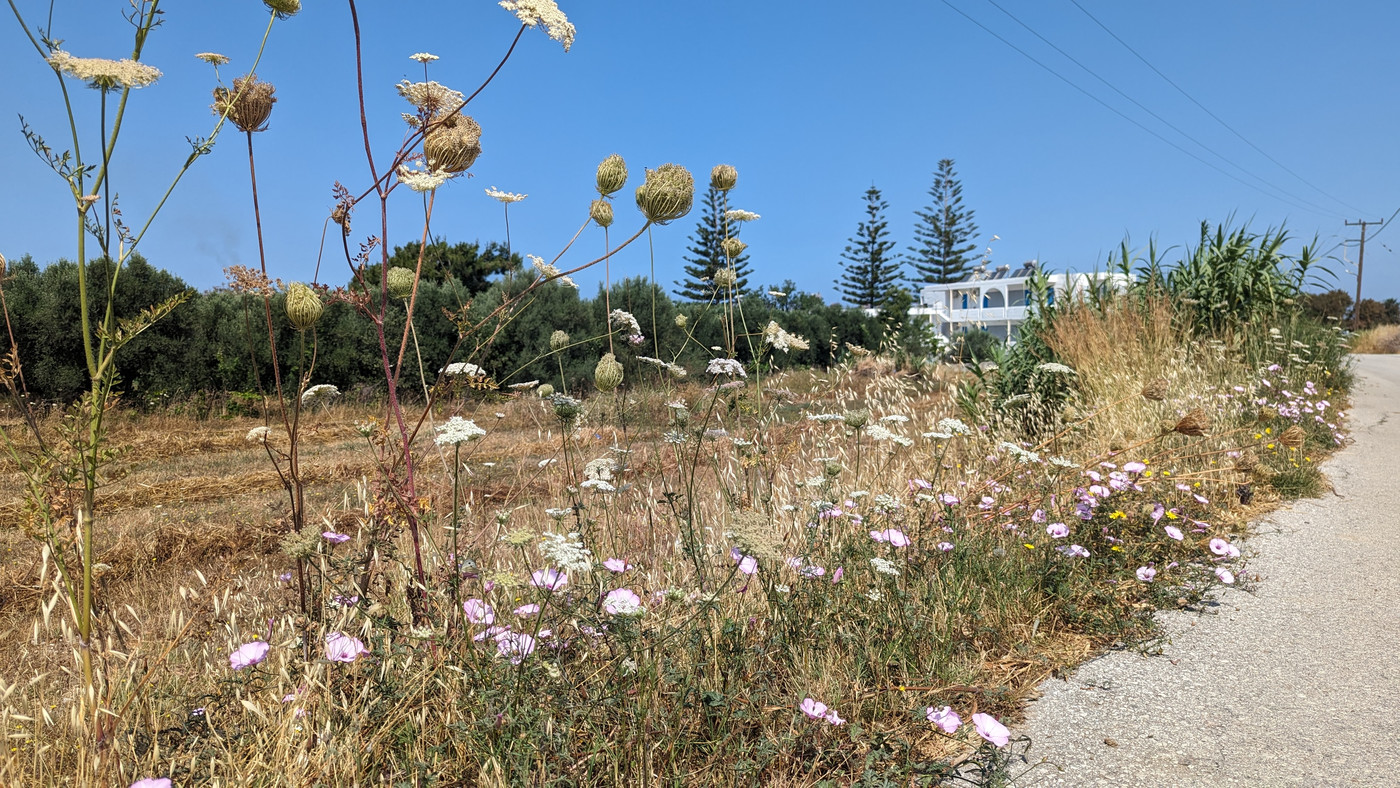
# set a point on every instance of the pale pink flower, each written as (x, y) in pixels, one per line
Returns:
(152, 782)
(478, 612)
(834, 718)
(343, 648)
(1223, 548)
(1134, 467)
(1173, 532)
(814, 709)
(515, 645)
(616, 565)
(622, 602)
(991, 730)
(1057, 530)
(527, 610)
(335, 538)
(550, 579)
(944, 546)
(945, 718)
(1146, 574)
(248, 655)
(1226, 576)
(838, 574)
(893, 536)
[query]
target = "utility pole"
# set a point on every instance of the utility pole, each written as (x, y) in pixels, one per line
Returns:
(1360, 261)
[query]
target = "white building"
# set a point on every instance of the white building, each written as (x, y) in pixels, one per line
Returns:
(996, 301)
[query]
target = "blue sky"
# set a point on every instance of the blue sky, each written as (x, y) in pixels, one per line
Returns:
(811, 101)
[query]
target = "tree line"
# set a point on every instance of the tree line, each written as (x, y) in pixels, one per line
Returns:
(217, 340)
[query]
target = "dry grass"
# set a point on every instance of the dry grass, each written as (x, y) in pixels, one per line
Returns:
(1381, 339)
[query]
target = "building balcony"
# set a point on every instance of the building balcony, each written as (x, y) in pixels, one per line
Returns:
(992, 314)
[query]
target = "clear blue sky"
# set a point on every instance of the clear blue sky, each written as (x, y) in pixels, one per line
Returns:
(811, 101)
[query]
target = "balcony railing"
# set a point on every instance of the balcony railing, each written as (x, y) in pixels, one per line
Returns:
(984, 315)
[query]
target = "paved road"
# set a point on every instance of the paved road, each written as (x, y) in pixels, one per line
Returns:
(1297, 684)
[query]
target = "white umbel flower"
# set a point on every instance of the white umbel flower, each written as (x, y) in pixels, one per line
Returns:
(726, 366)
(736, 215)
(504, 197)
(423, 57)
(422, 180)
(534, 13)
(775, 336)
(101, 72)
(457, 431)
(566, 552)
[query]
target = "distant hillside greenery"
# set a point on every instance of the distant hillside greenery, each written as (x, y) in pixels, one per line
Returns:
(204, 346)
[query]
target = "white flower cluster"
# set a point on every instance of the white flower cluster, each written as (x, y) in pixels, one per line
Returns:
(825, 417)
(600, 469)
(421, 180)
(457, 431)
(1052, 366)
(883, 566)
(430, 97)
(779, 339)
(549, 271)
(505, 197)
(1063, 463)
(675, 369)
(259, 434)
(423, 57)
(725, 366)
(463, 368)
(543, 12)
(1022, 455)
(100, 71)
(622, 319)
(566, 552)
(736, 215)
(322, 393)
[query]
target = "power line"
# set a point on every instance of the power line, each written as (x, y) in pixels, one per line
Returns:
(1164, 121)
(1213, 116)
(1116, 111)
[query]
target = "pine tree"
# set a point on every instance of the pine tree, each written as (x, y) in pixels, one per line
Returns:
(706, 254)
(944, 232)
(870, 271)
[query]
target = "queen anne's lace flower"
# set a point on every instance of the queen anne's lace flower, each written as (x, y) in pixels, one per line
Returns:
(725, 366)
(543, 12)
(736, 215)
(422, 180)
(423, 57)
(779, 339)
(504, 197)
(430, 97)
(463, 368)
(566, 552)
(259, 434)
(624, 319)
(457, 431)
(321, 393)
(101, 72)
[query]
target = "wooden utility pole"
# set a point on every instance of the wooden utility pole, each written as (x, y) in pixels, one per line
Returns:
(1360, 261)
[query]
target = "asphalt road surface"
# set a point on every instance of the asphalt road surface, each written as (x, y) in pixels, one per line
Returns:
(1295, 684)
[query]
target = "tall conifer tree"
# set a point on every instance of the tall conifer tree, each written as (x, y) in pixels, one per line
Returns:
(943, 235)
(870, 271)
(706, 256)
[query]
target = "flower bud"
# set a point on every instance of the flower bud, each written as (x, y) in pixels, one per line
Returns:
(283, 8)
(558, 340)
(667, 194)
(612, 175)
(602, 212)
(681, 320)
(303, 306)
(248, 105)
(723, 177)
(400, 282)
(452, 143)
(733, 247)
(608, 374)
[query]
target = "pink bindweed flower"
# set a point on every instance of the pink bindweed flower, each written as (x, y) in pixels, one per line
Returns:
(811, 571)
(335, 538)
(616, 565)
(1200, 498)
(991, 730)
(1173, 532)
(343, 648)
(1057, 530)
(838, 574)
(1223, 548)
(893, 536)
(944, 546)
(152, 782)
(515, 646)
(1146, 574)
(1226, 576)
(1038, 516)
(945, 718)
(478, 612)
(1157, 512)
(919, 484)
(948, 499)
(248, 655)
(527, 610)
(834, 718)
(550, 579)
(1134, 467)
(622, 602)
(493, 632)
(814, 709)
(1075, 551)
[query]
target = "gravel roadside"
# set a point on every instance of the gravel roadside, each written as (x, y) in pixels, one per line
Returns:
(1295, 684)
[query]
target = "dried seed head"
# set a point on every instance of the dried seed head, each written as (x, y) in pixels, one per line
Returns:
(400, 282)
(612, 175)
(754, 534)
(1293, 437)
(545, 390)
(608, 374)
(602, 212)
(723, 177)
(283, 8)
(303, 306)
(453, 143)
(667, 194)
(1156, 390)
(1266, 415)
(733, 247)
(1194, 424)
(855, 419)
(558, 340)
(248, 104)
(341, 216)
(725, 278)
(1246, 462)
